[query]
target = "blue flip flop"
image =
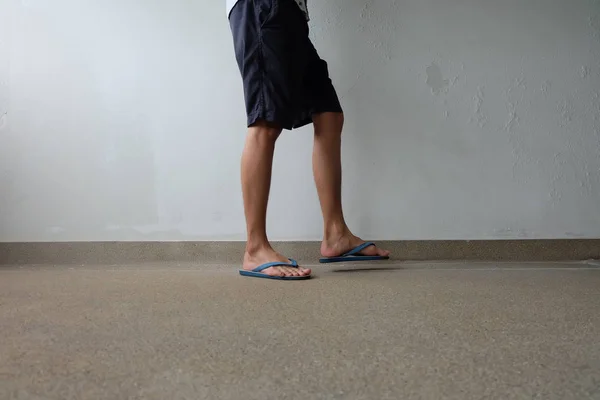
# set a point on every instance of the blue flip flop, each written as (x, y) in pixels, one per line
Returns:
(257, 272)
(353, 255)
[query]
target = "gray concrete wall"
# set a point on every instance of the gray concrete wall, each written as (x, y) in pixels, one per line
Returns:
(466, 119)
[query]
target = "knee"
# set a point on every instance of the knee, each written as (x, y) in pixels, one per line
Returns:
(335, 121)
(264, 131)
(329, 124)
(339, 121)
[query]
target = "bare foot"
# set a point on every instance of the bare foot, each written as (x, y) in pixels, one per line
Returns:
(266, 255)
(337, 245)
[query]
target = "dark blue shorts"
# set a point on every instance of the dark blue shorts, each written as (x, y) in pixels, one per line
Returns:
(285, 80)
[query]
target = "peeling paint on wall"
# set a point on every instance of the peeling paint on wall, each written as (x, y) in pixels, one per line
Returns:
(435, 79)
(594, 23)
(585, 72)
(546, 85)
(566, 111)
(513, 118)
(479, 114)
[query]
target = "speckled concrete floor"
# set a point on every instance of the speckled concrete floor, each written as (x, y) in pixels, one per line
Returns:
(398, 331)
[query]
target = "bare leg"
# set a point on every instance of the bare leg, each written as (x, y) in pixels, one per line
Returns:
(327, 169)
(257, 162)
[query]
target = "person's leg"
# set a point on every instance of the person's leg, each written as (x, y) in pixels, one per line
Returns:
(328, 120)
(257, 161)
(264, 36)
(327, 168)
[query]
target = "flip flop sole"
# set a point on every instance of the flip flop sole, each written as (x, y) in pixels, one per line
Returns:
(278, 278)
(328, 260)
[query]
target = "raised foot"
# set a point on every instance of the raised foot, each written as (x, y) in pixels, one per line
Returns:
(338, 246)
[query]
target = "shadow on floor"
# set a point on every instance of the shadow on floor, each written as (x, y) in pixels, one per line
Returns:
(373, 269)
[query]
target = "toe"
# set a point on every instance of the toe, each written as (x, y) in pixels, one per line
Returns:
(375, 251)
(370, 251)
(383, 253)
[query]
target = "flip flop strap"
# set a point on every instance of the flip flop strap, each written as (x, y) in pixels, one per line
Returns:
(292, 263)
(358, 249)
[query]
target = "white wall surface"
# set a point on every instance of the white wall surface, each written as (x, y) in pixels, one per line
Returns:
(466, 119)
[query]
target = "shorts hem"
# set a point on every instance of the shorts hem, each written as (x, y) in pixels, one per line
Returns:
(308, 120)
(286, 123)
(272, 118)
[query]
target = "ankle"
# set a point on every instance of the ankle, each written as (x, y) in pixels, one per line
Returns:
(254, 247)
(336, 231)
